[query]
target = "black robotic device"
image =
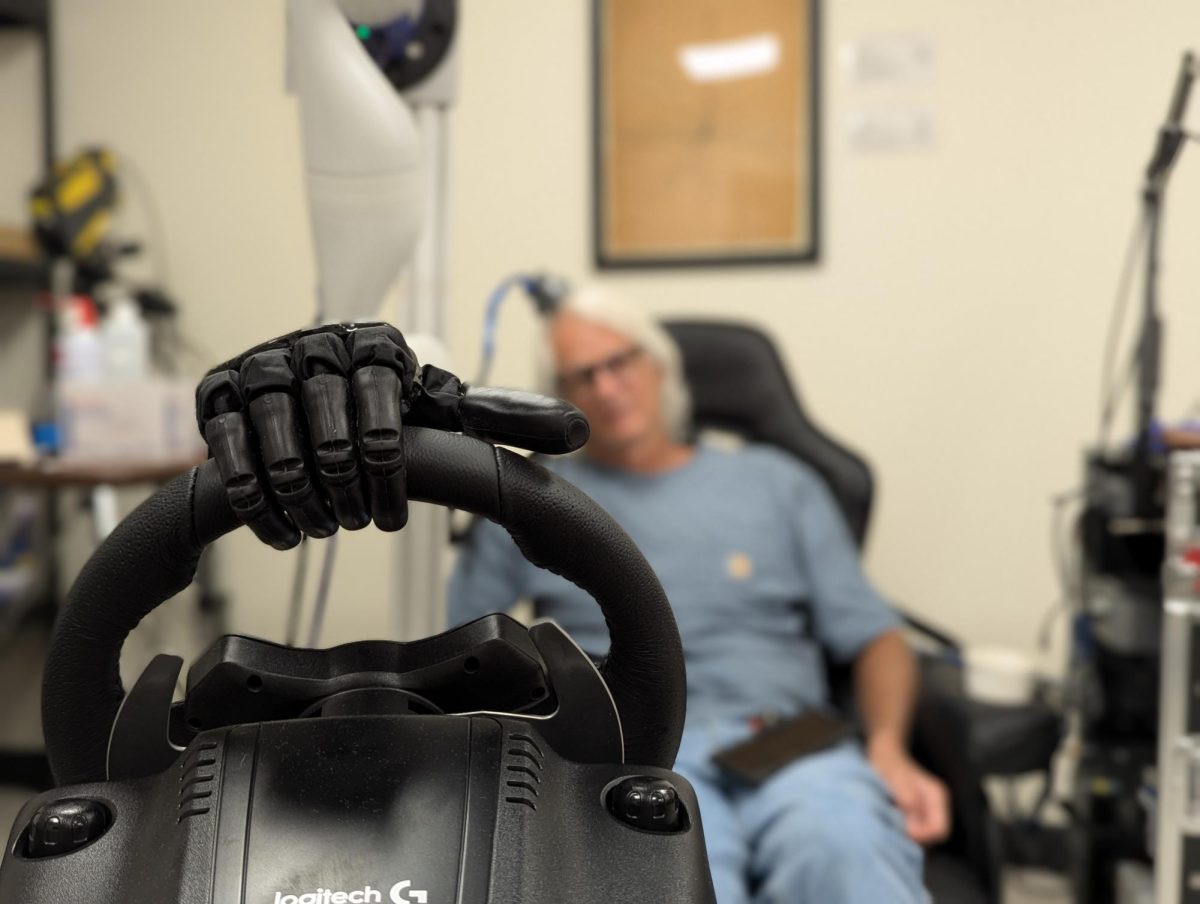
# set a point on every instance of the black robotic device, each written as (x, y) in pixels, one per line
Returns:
(487, 764)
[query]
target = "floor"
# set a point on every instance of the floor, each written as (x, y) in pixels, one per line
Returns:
(21, 677)
(20, 720)
(1034, 887)
(11, 800)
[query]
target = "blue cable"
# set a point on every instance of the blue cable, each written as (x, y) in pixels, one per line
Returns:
(491, 321)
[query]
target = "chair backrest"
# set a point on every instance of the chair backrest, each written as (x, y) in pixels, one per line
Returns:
(738, 383)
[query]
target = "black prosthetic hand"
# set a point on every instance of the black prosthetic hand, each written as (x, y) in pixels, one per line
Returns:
(307, 429)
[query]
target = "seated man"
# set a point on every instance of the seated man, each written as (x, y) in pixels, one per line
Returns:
(761, 573)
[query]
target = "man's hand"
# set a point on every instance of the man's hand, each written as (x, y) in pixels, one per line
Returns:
(921, 798)
(886, 681)
(307, 430)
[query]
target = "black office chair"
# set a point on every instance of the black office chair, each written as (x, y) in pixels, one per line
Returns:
(739, 384)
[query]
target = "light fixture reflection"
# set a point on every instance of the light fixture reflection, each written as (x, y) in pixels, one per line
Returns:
(727, 60)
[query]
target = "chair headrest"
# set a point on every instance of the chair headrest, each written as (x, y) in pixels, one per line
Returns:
(738, 383)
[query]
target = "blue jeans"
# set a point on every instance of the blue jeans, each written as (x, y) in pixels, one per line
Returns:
(823, 830)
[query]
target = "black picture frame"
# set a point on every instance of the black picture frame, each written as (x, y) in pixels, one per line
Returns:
(604, 260)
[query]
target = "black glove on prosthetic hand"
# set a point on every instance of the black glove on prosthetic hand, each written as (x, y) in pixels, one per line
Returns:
(307, 429)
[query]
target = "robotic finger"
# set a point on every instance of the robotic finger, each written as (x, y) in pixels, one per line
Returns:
(222, 415)
(322, 365)
(272, 392)
(384, 369)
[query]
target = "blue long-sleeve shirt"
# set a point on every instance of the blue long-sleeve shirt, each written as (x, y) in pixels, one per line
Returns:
(755, 558)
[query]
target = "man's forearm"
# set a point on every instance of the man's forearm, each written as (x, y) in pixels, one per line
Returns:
(885, 679)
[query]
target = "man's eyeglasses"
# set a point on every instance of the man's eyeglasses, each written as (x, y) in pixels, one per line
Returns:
(584, 378)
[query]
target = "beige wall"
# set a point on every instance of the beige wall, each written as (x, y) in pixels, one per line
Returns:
(952, 330)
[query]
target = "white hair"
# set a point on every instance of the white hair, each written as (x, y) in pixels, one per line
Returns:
(616, 312)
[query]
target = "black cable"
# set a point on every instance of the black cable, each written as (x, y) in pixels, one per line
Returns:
(154, 219)
(192, 347)
(1110, 390)
(1118, 392)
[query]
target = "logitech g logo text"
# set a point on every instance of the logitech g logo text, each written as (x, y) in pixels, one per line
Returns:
(401, 893)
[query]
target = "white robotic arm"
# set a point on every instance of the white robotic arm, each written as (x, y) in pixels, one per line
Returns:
(377, 188)
(363, 164)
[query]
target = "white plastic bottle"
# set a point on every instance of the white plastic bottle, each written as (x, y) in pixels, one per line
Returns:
(79, 351)
(126, 339)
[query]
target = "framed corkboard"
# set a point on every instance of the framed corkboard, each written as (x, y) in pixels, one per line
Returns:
(705, 137)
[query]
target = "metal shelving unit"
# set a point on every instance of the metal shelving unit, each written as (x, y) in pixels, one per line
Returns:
(34, 18)
(26, 276)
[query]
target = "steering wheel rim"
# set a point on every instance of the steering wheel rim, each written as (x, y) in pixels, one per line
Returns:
(152, 555)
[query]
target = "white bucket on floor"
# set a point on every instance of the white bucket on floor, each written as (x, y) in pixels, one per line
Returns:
(999, 675)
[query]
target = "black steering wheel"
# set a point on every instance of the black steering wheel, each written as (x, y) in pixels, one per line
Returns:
(152, 555)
